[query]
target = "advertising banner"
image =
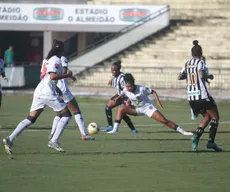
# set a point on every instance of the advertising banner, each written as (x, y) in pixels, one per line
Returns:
(74, 14)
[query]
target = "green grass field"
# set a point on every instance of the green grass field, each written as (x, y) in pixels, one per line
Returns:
(155, 160)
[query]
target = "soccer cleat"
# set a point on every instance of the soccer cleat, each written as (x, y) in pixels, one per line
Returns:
(7, 145)
(108, 128)
(195, 143)
(212, 145)
(113, 131)
(56, 146)
(87, 137)
(187, 133)
(134, 131)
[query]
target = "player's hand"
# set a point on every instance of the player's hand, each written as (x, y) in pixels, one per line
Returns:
(110, 82)
(70, 74)
(211, 76)
(115, 100)
(160, 105)
(128, 103)
(6, 79)
(74, 78)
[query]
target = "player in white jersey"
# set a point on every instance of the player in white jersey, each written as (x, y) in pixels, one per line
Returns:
(199, 98)
(68, 98)
(2, 74)
(119, 84)
(45, 95)
(140, 104)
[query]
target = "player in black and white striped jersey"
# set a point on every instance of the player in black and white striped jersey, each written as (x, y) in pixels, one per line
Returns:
(119, 83)
(209, 76)
(199, 98)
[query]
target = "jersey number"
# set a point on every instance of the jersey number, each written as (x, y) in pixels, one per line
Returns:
(192, 79)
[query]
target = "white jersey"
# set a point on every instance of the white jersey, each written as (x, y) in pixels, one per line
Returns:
(63, 83)
(47, 87)
(140, 96)
(196, 87)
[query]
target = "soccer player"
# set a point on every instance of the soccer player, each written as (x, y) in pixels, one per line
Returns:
(209, 76)
(119, 84)
(68, 98)
(199, 98)
(2, 74)
(139, 104)
(45, 94)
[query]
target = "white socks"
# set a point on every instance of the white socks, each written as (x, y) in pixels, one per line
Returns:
(79, 120)
(116, 126)
(180, 130)
(60, 128)
(54, 126)
(81, 125)
(21, 126)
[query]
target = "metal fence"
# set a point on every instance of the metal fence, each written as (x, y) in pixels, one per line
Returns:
(163, 78)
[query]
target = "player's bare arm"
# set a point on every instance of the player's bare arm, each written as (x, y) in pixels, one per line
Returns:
(122, 95)
(128, 102)
(55, 76)
(157, 99)
(65, 70)
(110, 82)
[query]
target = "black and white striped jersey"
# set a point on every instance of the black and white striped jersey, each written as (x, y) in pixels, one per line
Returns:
(196, 87)
(119, 82)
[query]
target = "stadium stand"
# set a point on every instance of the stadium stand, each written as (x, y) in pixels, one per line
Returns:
(156, 61)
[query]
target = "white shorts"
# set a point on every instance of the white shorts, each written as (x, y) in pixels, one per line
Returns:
(40, 103)
(147, 109)
(67, 96)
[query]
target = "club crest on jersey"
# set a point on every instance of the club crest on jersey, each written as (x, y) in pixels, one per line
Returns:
(150, 107)
(56, 65)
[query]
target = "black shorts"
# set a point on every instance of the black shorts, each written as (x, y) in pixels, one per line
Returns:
(201, 106)
(120, 101)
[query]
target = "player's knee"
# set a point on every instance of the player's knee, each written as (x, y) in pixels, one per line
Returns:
(77, 113)
(107, 108)
(66, 114)
(59, 115)
(32, 119)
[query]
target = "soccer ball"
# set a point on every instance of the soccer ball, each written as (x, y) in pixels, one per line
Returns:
(93, 128)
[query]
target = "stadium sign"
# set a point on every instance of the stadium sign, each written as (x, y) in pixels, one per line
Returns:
(48, 13)
(12, 13)
(66, 14)
(133, 15)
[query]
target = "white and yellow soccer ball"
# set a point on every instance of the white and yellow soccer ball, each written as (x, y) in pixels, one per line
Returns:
(93, 128)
